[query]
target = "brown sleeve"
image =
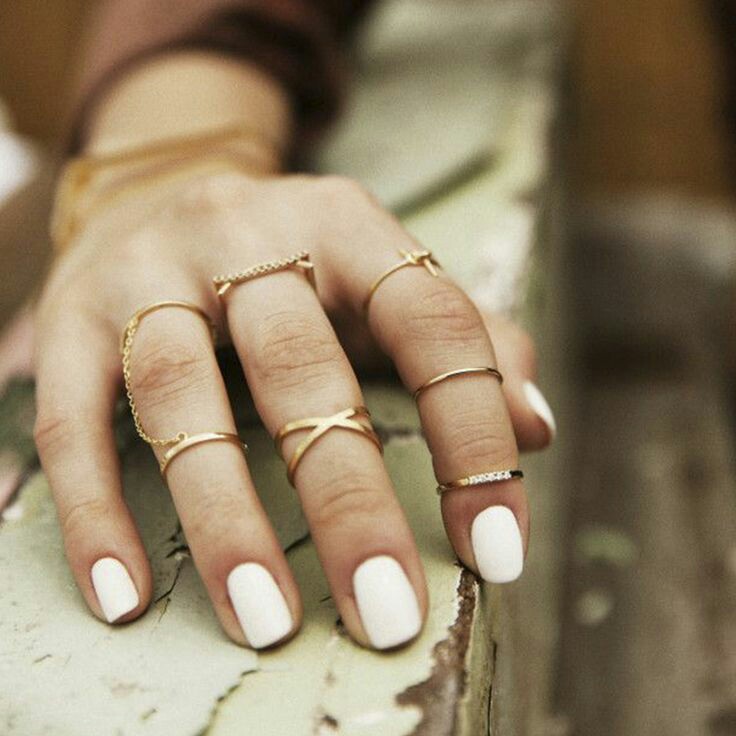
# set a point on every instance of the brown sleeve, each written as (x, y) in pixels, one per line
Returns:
(299, 42)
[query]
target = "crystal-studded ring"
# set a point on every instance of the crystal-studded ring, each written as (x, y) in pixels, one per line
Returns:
(480, 479)
(300, 260)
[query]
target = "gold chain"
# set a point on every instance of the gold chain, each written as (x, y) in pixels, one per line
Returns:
(126, 348)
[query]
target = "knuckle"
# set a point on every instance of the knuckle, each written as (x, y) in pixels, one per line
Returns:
(83, 514)
(475, 436)
(443, 313)
(165, 371)
(59, 431)
(350, 499)
(55, 431)
(342, 191)
(214, 512)
(213, 195)
(52, 430)
(292, 350)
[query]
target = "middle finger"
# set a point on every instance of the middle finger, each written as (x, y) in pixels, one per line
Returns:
(296, 369)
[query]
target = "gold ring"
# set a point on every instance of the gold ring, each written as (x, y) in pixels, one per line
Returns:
(459, 372)
(299, 260)
(184, 442)
(493, 476)
(422, 258)
(126, 346)
(345, 419)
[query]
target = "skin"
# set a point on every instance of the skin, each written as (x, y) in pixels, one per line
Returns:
(166, 242)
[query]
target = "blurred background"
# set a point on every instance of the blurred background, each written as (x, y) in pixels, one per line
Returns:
(647, 626)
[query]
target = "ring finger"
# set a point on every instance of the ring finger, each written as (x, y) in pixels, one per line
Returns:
(177, 387)
(429, 328)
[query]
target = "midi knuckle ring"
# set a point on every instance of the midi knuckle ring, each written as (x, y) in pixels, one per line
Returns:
(182, 441)
(300, 261)
(484, 369)
(421, 258)
(354, 419)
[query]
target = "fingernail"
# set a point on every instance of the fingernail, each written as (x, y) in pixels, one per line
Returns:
(540, 407)
(114, 588)
(496, 540)
(386, 602)
(259, 605)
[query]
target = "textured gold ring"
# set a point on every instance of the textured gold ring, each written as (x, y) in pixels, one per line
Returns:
(480, 479)
(422, 258)
(185, 442)
(349, 419)
(299, 260)
(459, 372)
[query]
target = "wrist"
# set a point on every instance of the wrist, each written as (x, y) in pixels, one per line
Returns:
(89, 185)
(175, 118)
(185, 94)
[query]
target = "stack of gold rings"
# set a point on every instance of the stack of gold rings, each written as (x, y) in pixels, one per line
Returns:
(354, 419)
(478, 479)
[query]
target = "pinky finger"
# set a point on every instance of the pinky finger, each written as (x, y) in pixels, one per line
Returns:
(77, 380)
(534, 423)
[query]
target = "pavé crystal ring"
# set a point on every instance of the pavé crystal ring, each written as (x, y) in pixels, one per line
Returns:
(298, 260)
(480, 479)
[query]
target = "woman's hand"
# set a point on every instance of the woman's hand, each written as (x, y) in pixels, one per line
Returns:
(296, 367)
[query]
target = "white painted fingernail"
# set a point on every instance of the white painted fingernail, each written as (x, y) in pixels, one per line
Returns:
(386, 602)
(259, 605)
(114, 588)
(496, 540)
(540, 406)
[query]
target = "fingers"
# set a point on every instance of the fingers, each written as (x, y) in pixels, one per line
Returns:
(177, 387)
(77, 381)
(296, 369)
(532, 418)
(428, 327)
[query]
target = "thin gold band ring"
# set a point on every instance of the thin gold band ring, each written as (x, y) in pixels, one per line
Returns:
(186, 442)
(300, 260)
(131, 326)
(458, 372)
(346, 419)
(422, 258)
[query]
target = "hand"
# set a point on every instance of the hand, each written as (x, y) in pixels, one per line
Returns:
(295, 367)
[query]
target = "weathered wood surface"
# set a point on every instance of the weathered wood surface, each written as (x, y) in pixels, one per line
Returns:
(472, 182)
(649, 638)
